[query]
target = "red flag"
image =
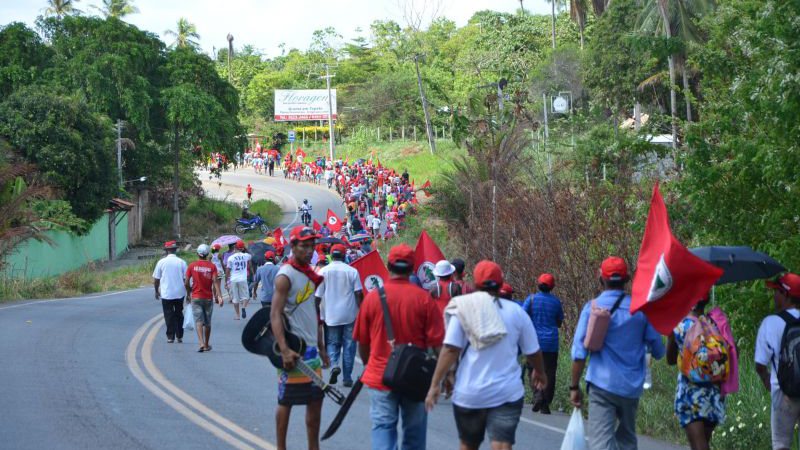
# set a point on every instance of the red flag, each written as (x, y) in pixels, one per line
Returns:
(299, 152)
(371, 270)
(379, 164)
(334, 223)
(669, 279)
(278, 235)
(426, 255)
(317, 226)
(425, 187)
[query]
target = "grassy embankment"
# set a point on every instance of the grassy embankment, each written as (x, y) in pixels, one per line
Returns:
(747, 424)
(203, 220)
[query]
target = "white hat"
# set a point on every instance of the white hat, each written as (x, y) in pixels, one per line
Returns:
(203, 250)
(443, 268)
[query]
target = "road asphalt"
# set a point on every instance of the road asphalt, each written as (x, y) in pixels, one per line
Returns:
(97, 372)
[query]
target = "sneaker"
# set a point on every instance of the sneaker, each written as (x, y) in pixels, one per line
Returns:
(545, 409)
(334, 375)
(180, 341)
(170, 341)
(536, 407)
(347, 383)
(244, 314)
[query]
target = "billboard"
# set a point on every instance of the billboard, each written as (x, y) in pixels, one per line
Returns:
(303, 104)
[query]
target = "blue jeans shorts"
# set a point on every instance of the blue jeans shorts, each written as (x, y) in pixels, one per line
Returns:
(500, 422)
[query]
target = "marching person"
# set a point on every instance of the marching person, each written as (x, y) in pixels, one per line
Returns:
(168, 281)
(488, 331)
(340, 295)
(205, 288)
(237, 269)
(547, 315)
(293, 301)
(415, 320)
(265, 276)
(445, 288)
(785, 411)
(613, 399)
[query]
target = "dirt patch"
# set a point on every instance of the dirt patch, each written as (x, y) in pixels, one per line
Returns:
(410, 151)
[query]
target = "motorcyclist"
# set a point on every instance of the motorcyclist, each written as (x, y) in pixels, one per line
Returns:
(245, 211)
(305, 208)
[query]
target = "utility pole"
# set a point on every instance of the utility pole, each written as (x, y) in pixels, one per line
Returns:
(176, 180)
(230, 55)
(553, 4)
(425, 107)
(546, 135)
(119, 153)
(328, 77)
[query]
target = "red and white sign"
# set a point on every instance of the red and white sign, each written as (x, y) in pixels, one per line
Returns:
(303, 104)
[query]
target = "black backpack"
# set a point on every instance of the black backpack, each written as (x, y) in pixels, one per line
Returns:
(789, 357)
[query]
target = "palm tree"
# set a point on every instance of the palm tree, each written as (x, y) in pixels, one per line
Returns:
(117, 8)
(577, 12)
(61, 8)
(185, 34)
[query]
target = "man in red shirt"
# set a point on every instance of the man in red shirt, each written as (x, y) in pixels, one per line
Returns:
(249, 191)
(415, 320)
(201, 275)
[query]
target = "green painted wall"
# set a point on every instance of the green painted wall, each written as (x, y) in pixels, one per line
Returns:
(33, 259)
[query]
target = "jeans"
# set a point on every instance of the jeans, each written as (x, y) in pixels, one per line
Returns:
(173, 317)
(385, 409)
(612, 421)
(340, 339)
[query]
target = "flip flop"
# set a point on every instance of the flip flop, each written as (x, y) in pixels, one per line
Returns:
(208, 348)
(201, 350)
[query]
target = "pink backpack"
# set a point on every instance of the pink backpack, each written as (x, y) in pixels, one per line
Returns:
(597, 327)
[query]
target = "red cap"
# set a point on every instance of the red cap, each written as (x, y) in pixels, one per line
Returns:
(506, 289)
(339, 248)
(614, 269)
(170, 244)
(240, 244)
(302, 233)
(216, 246)
(488, 274)
(547, 280)
(401, 255)
(789, 283)
(269, 254)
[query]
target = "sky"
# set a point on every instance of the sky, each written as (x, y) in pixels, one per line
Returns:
(265, 24)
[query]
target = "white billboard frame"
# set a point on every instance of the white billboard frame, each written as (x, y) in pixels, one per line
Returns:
(303, 104)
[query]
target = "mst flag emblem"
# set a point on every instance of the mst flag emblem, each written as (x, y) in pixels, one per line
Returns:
(662, 281)
(372, 282)
(425, 274)
(669, 279)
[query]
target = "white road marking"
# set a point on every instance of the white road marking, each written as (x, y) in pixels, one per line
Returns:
(86, 297)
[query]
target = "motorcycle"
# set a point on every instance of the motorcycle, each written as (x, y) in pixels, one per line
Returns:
(305, 216)
(244, 225)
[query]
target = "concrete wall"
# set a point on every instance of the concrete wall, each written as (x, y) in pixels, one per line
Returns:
(135, 217)
(33, 259)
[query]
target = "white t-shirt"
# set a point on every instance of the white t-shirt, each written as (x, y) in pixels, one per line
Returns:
(489, 377)
(171, 270)
(337, 292)
(237, 264)
(376, 222)
(768, 344)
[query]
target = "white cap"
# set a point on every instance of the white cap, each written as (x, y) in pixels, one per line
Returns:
(203, 250)
(443, 268)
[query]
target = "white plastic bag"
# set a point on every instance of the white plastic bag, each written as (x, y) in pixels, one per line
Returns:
(188, 317)
(574, 438)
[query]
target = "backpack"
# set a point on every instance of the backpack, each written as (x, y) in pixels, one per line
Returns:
(789, 357)
(704, 357)
(453, 288)
(597, 328)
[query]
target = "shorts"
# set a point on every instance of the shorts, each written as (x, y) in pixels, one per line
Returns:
(295, 388)
(500, 422)
(239, 292)
(785, 415)
(199, 307)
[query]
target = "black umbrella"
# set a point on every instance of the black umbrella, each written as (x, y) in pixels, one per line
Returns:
(739, 263)
(257, 250)
(330, 240)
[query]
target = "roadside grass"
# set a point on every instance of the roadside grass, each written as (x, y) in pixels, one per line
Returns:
(89, 279)
(205, 217)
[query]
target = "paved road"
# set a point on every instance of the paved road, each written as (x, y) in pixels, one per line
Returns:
(97, 372)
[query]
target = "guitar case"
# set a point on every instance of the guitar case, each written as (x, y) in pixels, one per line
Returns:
(257, 338)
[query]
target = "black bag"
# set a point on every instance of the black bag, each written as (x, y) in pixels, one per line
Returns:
(409, 370)
(789, 357)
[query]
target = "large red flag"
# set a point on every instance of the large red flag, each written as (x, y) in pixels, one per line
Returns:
(334, 223)
(278, 235)
(317, 226)
(299, 152)
(669, 279)
(371, 270)
(426, 255)
(425, 187)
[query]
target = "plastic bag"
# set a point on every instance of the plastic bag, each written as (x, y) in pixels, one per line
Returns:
(574, 437)
(188, 317)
